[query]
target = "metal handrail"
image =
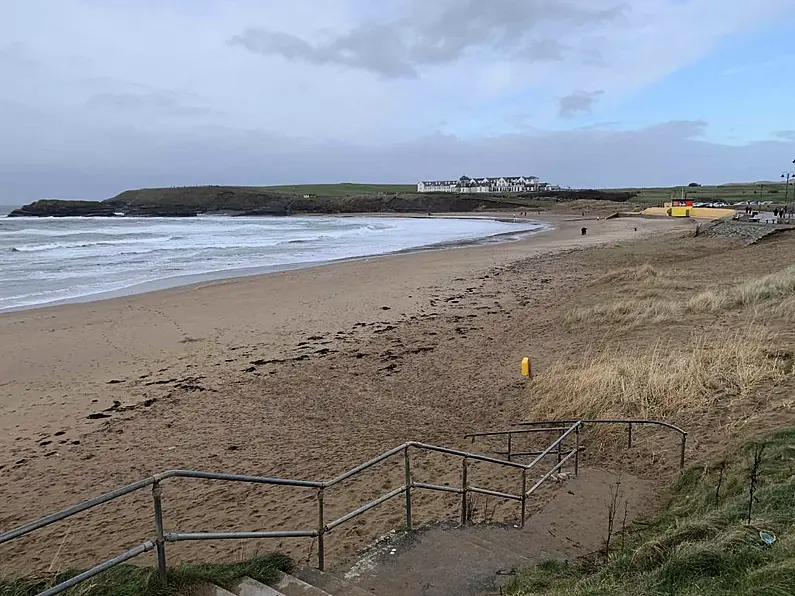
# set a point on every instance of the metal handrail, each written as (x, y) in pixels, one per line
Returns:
(606, 421)
(366, 507)
(474, 456)
(547, 426)
(559, 441)
(237, 478)
(516, 432)
(162, 538)
(548, 474)
(69, 511)
(365, 465)
(629, 422)
(97, 569)
(180, 536)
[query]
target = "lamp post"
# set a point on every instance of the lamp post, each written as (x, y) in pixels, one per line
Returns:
(787, 176)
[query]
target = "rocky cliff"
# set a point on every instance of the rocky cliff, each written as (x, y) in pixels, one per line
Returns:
(55, 208)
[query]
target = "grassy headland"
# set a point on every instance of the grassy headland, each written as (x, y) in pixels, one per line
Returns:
(374, 198)
(309, 199)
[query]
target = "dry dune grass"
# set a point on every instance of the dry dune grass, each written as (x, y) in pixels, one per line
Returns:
(785, 309)
(776, 287)
(669, 382)
(641, 273)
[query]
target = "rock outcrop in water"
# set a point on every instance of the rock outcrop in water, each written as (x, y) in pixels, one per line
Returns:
(242, 200)
(56, 208)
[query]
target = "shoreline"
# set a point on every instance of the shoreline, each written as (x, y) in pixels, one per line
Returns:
(292, 374)
(191, 279)
(48, 349)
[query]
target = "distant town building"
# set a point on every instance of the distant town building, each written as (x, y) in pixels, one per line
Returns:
(465, 184)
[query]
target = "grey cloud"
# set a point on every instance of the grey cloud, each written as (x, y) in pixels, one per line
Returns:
(441, 34)
(159, 101)
(543, 50)
(579, 101)
(376, 49)
(788, 135)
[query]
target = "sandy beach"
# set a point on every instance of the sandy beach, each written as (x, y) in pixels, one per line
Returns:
(298, 374)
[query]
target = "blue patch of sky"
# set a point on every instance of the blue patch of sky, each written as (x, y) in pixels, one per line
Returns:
(744, 90)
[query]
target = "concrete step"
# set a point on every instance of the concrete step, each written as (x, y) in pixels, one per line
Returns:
(212, 590)
(500, 547)
(289, 585)
(330, 583)
(250, 587)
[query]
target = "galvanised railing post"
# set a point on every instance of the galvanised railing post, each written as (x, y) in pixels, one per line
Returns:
(629, 436)
(560, 451)
(160, 541)
(321, 529)
(577, 449)
(464, 491)
(409, 482)
(524, 497)
(510, 440)
(682, 452)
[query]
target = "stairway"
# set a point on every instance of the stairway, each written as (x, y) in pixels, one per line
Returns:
(305, 582)
(452, 560)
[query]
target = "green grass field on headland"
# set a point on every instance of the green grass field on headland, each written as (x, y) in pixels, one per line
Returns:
(729, 193)
(643, 196)
(342, 189)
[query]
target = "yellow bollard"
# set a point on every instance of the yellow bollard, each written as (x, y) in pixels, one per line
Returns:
(527, 371)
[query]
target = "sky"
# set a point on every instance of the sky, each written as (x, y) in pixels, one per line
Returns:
(97, 96)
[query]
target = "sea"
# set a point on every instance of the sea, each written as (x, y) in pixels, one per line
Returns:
(53, 260)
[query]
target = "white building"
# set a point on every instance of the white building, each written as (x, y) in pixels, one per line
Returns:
(465, 184)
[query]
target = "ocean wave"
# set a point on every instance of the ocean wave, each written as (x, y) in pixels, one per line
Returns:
(55, 260)
(69, 245)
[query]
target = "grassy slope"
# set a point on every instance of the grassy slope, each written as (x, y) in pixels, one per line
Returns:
(710, 355)
(715, 371)
(729, 193)
(342, 189)
(701, 543)
(724, 192)
(128, 580)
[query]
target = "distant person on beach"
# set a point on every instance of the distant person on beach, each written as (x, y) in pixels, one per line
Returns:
(583, 231)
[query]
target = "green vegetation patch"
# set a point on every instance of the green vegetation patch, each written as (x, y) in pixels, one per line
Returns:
(343, 189)
(129, 580)
(702, 542)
